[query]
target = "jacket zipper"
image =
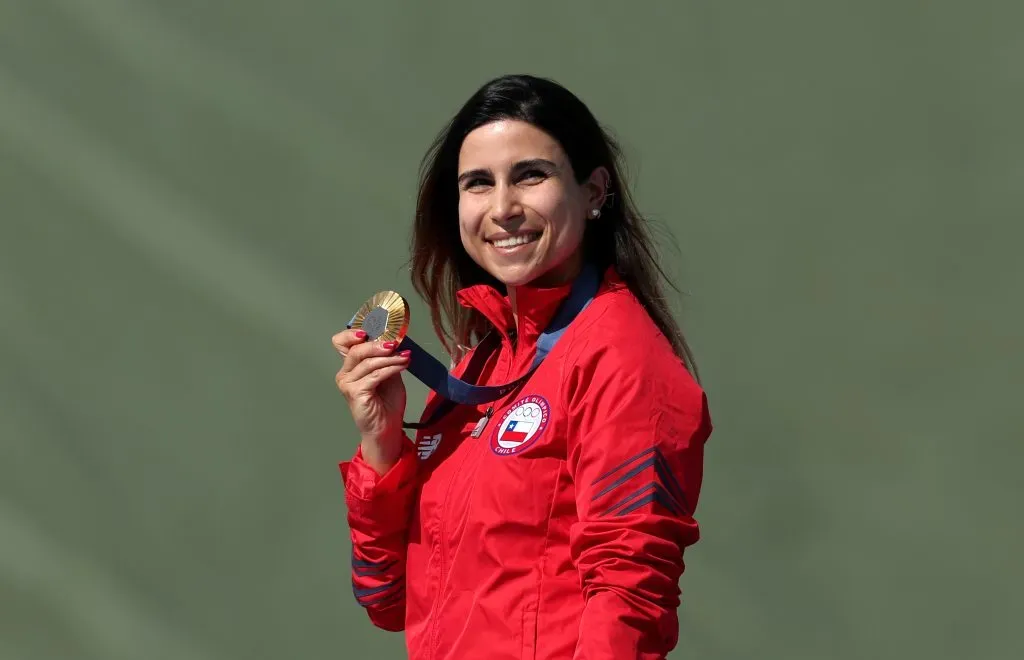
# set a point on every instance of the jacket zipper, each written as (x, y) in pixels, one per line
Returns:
(442, 545)
(442, 538)
(478, 430)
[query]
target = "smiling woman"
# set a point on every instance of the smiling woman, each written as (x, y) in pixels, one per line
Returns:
(556, 136)
(550, 523)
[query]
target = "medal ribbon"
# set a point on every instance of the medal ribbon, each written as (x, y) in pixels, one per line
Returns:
(428, 370)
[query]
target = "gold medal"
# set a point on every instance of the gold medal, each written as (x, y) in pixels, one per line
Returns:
(383, 317)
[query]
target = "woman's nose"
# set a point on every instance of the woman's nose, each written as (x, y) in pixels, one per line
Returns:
(505, 204)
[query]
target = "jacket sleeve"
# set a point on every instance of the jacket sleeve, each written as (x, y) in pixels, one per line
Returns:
(379, 511)
(636, 438)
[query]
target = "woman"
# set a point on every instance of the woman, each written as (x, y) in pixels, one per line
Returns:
(550, 523)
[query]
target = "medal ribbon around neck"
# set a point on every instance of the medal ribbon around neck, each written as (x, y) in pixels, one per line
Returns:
(385, 317)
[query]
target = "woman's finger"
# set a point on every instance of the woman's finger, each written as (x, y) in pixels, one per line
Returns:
(354, 388)
(369, 365)
(346, 339)
(365, 350)
(382, 374)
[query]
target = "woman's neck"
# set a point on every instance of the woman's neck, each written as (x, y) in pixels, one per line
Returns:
(513, 292)
(558, 276)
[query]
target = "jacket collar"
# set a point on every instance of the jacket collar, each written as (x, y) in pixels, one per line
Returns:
(536, 306)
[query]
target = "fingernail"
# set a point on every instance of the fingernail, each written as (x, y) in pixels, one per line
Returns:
(390, 345)
(360, 334)
(405, 353)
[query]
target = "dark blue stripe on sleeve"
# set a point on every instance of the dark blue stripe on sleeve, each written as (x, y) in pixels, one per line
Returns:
(661, 467)
(362, 567)
(658, 495)
(383, 600)
(361, 594)
(624, 464)
(365, 571)
(670, 482)
(626, 477)
(627, 499)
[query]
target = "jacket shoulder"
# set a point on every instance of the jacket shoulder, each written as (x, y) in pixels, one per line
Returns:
(616, 324)
(619, 367)
(616, 338)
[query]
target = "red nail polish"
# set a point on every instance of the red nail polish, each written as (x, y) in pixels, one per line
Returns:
(390, 345)
(360, 334)
(405, 353)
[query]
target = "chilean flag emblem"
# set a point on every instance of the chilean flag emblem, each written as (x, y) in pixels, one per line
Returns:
(516, 431)
(521, 425)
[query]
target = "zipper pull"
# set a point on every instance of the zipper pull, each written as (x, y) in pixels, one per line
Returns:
(478, 430)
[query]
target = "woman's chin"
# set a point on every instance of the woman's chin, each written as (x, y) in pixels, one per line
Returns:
(533, 273)
(515, 275)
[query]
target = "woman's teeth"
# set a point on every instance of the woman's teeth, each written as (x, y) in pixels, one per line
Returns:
(522, 239)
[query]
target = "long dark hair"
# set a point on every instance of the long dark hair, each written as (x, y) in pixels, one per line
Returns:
(440, 264)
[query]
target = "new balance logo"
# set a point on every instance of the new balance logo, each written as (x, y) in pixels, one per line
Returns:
(428, 445)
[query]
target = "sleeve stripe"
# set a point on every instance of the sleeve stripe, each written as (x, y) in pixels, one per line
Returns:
(364, 568)
(661, 467)
(656, 496)
(367, 572)
(659, 495)
(361, 594)
(627, 499)
(626, 477)
(385, 600)
(670, 481)
(613, 471)
(372, 570)
(366, 564)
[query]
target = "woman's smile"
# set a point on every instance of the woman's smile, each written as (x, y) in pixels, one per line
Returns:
(514, 243)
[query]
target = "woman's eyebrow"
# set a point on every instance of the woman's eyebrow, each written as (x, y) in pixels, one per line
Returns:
(533, 163)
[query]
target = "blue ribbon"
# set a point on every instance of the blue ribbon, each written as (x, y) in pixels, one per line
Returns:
(428, 370)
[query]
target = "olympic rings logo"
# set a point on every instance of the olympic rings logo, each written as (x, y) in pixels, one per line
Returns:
(528, 411)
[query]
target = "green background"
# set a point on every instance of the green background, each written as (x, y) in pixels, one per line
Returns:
(194, 196)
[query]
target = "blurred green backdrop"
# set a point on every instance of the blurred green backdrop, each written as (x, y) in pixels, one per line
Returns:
(195, 195)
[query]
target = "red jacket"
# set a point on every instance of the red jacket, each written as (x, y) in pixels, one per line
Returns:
(559, 532)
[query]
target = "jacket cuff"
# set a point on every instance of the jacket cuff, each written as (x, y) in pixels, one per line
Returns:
(363, 483)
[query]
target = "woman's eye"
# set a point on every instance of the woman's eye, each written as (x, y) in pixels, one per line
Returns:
(533, 176)
(475, 183)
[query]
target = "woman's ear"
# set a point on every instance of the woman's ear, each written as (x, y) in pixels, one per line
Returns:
(596, 188)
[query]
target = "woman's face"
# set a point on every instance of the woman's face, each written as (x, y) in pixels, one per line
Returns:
(521, 211)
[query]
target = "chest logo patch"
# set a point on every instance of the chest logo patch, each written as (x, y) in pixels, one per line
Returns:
(521, 425)
(428, 445)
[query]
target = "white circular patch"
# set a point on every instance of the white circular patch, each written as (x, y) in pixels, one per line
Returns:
(521, 425)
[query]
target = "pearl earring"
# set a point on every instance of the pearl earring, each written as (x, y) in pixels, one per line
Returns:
(595, 213)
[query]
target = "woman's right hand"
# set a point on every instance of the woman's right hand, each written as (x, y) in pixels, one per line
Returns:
(371, 381)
